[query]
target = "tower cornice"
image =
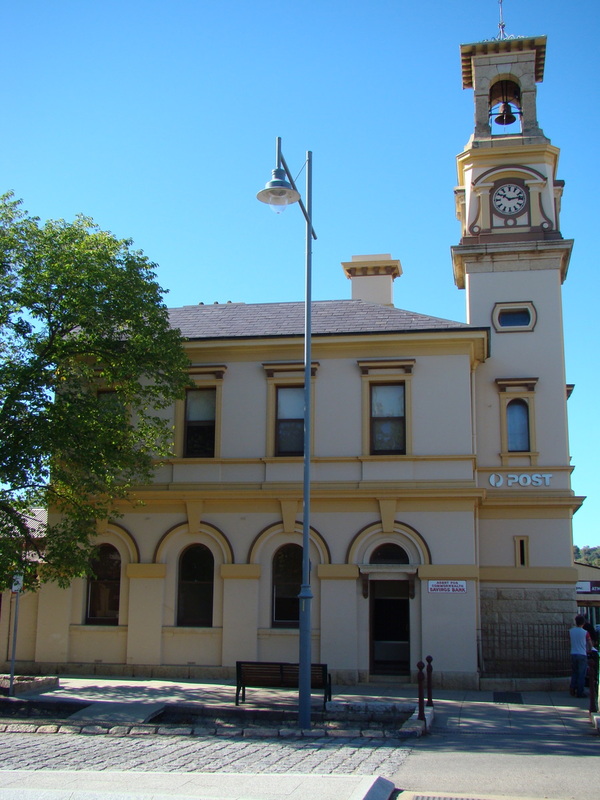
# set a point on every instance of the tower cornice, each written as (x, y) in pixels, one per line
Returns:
(520, 256)
(496, 46)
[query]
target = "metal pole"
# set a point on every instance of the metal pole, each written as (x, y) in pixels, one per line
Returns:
(305, 596)
(11, 690)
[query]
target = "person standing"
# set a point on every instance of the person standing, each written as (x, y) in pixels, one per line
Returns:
(580, 646)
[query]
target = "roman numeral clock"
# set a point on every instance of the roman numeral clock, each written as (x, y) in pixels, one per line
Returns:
(509, 200)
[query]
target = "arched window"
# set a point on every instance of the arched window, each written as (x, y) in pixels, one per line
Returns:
(517, 426)
(389, 553)
(104, 587)
(195, 587)
(287, 579)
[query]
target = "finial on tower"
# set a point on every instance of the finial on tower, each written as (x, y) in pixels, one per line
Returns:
(501, 25)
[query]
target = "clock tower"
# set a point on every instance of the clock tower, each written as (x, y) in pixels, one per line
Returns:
(508, 195)
(512, 258)
(512, 261)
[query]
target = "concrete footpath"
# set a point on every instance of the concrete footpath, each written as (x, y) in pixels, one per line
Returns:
(123, 703)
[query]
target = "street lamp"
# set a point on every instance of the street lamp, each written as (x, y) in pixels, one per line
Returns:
(280, 192)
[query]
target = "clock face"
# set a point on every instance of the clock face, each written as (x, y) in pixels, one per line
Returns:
(509, 199)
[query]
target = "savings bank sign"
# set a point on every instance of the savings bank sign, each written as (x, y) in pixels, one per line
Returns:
(513, 479)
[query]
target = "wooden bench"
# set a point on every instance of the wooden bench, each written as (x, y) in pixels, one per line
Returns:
(278, 675)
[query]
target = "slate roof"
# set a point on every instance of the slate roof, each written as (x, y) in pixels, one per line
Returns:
(329, 318)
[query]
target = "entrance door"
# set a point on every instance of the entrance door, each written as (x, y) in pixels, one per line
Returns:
(390, 629)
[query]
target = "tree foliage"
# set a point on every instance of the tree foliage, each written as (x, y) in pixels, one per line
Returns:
(87, 363)
(587, 555)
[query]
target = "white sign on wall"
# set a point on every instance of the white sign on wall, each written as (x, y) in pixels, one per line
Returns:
(522, 479)
(447, 587)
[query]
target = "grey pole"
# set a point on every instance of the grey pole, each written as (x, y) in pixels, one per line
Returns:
(305, 596)
(273, 192)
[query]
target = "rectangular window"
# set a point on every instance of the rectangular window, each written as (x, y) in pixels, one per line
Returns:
(199, 438)
(521, 551)
(388, 422)
(289, 426)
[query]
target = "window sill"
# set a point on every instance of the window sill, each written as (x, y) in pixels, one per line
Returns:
(516, 458)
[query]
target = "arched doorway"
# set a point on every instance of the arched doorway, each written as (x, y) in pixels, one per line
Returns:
(389, 615)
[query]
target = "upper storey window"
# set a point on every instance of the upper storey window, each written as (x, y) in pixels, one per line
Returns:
(517, 419)
(388, 419)
(198, 417)
(517, 425)
(200, 407)
(289, 433)
(386, 406)
(285, 406)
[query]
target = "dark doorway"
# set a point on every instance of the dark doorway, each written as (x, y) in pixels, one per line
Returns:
(390, 627)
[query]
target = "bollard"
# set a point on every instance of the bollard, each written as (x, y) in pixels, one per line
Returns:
(593, 681)
(429, 659)
(420, 682)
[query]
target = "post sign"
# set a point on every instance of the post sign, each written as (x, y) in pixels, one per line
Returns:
(447, 587)
(513, 479)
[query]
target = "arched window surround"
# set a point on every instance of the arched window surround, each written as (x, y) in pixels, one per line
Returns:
(168, 551)
(286, 580)
(103, 596)
(113, 534)
(195, 587)
(261, 552)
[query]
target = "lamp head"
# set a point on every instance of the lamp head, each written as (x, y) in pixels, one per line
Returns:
(278, 193)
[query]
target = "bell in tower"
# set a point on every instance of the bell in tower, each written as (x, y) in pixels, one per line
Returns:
(506, 95)
(503, 74)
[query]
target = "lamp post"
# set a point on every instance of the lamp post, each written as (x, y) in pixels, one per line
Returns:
(280, 192)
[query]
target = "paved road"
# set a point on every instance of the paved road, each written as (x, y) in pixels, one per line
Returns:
(23, 751)
(445, 762)
(561, 767)
(543, 747)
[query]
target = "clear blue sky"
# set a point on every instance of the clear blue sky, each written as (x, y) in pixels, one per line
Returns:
(158, 118)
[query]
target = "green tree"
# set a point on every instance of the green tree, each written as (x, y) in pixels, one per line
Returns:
(87, 363)
(587, 555)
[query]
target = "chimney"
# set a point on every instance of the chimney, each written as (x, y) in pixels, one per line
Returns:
(373, 277)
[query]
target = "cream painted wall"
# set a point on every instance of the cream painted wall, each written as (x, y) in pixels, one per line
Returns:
(549, 541)
(27, 625)
(240, 620)
(97, 644)
(144, 639)
(243, 421)
(441, 391)
(337, 408)
(531, 354)
(340, 631)
(54, 614)
(28, 607)
(191, 646)
(449, 635)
